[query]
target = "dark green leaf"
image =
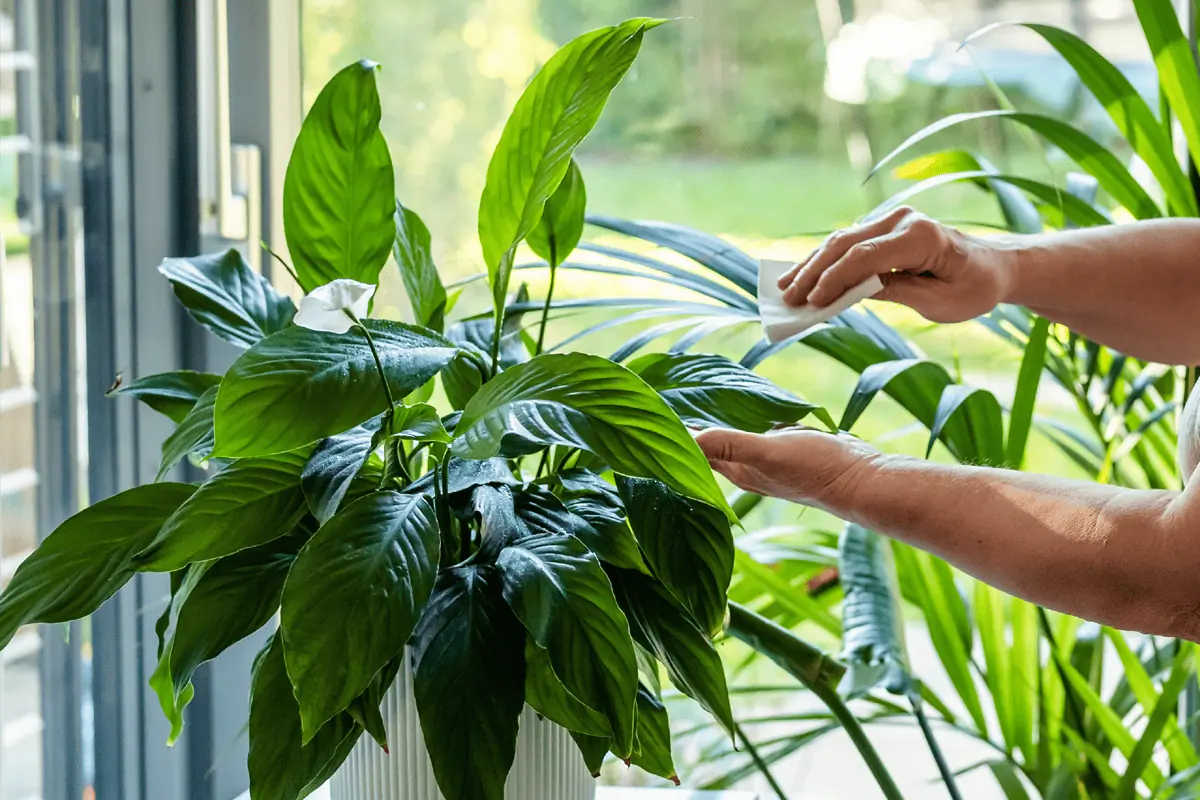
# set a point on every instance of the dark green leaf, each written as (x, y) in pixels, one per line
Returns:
(561, 226)
(556, 111)
(192, 436)
(591, 403)
(334, 464)
(710, 390)
(419, 422)
(86, 559)
(339, 192)
(652, 743)
(170, 393)
(415, 259)
(560, 592)
(873, 639)
(299, 385)
(365, 709)
(281, 766)
(250, 502)
(675, 639)
(225, 295)
(546, 695)
(469, 652)
(605, 529)
(465, 474)
(354, 596)
(593, 749)
(688, 545)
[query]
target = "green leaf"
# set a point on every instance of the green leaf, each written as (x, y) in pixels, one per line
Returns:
(299, 385)
(981, 410)
(556, 111)
(1180, 749)
(797, 657)
(794, 599)
(709, 390)
(546, 695)
(652, 744)
(675, 639)
(414, 255)
(192, 436)
(250, 502)
(281, 766)
(86, 559)
(1089, 154)
(591, 403)
(1075, 210)
(469, 683)
(219, 604)
(353, 597)
(339, 192)
(1020, 419)
(990, 619)
(688, 546)
(366, 708)
(561, 225)
(873, 641)
(559, 591)
(1177, 75)
(594, 750)
(419, 422)
(1007, 776)
(333, 466)
(170, 393)
(225, 295)
(604, 529)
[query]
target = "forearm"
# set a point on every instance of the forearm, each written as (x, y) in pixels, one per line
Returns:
(1123, 557)
(1132, 287)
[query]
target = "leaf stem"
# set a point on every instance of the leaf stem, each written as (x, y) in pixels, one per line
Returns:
(282, 263)
(918, 707)
(758, 762)
(387, 390)
(549, 296)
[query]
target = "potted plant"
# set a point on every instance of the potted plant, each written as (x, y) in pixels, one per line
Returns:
(511, 574)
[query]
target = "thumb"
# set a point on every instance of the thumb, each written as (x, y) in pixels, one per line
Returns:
(905, 289)
(726, 444)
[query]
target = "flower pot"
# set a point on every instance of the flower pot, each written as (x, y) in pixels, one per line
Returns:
(548, 765)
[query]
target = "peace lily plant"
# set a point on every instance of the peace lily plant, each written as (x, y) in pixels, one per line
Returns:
(555, 539)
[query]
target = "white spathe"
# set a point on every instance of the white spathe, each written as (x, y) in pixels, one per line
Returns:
(548, 765)
(324, 308)
(1189, 436)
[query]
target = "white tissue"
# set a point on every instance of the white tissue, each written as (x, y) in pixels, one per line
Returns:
(781, 321)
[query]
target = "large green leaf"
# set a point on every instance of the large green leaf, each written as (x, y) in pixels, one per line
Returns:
(652, 744)
(192, 436)
(248, 503)
(469, 683)
(561, 594)
(591, 403)
(688, 546)
(546, 695)
(170, 393)
(339, 192)
(333, 466)
(675, 639)
(561, 225)
(415, 259)
(281, 766)
(873, 640)
(225, 295)
(556, 111)
(299, 385)
(707, 390)
(1176, 63)
(86, 559)
(604, 529)
(354, 596)
(1093, 157)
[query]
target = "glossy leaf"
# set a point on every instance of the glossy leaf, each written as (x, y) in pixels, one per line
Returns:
(605, 529)
(559, 591)
(465, 474)
(299, 385)
(281, 766)
(170, 393)
(556, 111)
(193, 436)
(594, 749)
(414, 256)
(591, 403)
(250, 502)
(225, 295)
(873, 642)
(469, 715)
(418, 422)
(333, 466)
(688, 546)
(339, 192)
(652, 744)
(353, 597)
(709, 390)
(561, 225)
(86, 559)
(546, 695)
(675, 639)
(1176, 63)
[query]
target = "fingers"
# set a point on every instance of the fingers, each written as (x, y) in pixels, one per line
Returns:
(727, 446)
(900, 250)
(798, 282)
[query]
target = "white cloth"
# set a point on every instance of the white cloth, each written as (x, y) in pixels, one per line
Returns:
(781, 321)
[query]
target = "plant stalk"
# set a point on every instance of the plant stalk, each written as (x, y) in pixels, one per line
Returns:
(758, 762)
(918, 707)
(549, 296)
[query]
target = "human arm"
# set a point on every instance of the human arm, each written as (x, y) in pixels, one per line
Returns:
(1132, 287)
(1123, 557)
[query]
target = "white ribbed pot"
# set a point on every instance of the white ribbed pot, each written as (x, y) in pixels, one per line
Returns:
(548, 765)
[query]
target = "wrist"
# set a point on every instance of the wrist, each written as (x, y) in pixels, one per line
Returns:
(1003, 260)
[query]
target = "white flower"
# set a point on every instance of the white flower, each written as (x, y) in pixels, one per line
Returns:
(324, 308)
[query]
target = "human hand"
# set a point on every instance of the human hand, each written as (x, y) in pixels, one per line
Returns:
(798, 464)
(941, 273)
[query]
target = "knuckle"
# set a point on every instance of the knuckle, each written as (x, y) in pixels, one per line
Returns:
(923, 227)
(863, 250)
